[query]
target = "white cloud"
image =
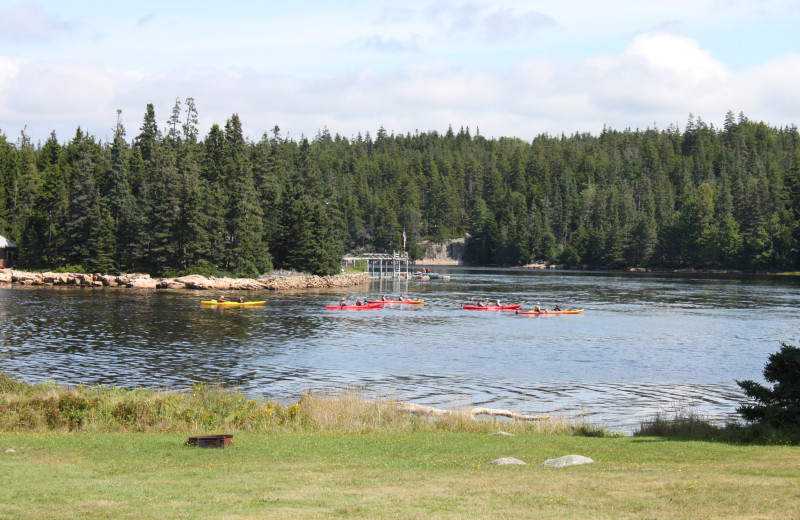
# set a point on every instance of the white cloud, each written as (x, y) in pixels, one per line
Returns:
(504, 24)
(677, 58)
(659, 78)
(146, 19)
(386, 45)
(487, 21)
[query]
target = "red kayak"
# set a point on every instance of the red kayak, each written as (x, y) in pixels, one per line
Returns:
(492, 307)
(365, 307)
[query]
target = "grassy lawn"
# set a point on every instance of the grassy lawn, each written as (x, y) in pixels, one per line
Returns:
(390, 475)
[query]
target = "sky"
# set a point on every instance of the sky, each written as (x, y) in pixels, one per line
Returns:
(505, 68)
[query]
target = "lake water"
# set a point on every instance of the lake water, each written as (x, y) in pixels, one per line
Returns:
(645, 343)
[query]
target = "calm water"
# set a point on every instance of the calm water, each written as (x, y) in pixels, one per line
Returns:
(645, 343)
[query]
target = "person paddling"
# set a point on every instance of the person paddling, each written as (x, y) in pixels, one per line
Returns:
(221, 299)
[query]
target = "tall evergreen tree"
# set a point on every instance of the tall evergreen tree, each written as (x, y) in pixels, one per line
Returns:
(313, 241)
(119, 197)
(246, 253)
(89, 227)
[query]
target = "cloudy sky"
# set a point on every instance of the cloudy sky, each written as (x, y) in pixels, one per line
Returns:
(505, 67)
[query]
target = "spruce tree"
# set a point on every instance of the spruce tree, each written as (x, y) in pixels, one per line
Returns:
(778, 406)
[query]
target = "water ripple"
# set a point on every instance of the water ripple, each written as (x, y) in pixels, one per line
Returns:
(646, 344)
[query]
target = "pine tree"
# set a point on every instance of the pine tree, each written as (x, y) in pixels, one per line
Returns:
(89, 227)
(246, 253)
(778, 406)
(119, 197)
(41, 236)
(313, 240)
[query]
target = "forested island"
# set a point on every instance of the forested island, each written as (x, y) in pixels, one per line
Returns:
(170, 202)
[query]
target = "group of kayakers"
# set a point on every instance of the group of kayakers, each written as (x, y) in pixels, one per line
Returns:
(343, 302)
(359, 303)
(399, 298)
(486, 302)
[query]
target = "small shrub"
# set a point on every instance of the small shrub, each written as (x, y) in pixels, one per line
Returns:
(71, 268)
(778, 406)
(133, 413)
(206, 270)
(11, 384)
(72, 410)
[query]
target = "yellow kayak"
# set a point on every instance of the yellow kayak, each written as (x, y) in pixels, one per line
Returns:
(232, 304)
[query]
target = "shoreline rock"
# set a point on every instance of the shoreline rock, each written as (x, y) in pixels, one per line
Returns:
(449, 252)
(193, 282)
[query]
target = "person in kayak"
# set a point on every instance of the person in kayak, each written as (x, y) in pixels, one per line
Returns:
(358, 302)
(536, 308)
(221, 299)
(342, 303)
(241, 300)
(556, 308)
(383, 297)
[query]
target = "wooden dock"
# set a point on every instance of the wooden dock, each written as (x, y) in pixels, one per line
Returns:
(381, 265)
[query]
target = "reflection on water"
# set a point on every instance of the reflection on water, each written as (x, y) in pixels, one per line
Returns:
(645, 343)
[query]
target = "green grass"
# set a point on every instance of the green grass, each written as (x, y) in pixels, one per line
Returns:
(69, 475)
(101, 452)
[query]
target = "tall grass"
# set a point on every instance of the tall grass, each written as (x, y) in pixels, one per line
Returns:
(691, 426)
(352, 410)
(50, 406)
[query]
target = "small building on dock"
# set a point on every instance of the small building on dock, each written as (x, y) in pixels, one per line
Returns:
(8, 251)
(381, 265)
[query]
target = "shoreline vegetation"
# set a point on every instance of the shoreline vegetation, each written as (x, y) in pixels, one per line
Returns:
(49, 406)
(276, 281)
(280, 281)
(703, 196)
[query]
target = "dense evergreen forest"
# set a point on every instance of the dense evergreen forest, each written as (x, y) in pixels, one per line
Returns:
(168, 201)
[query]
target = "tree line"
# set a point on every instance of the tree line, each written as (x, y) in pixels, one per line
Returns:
(169, 201)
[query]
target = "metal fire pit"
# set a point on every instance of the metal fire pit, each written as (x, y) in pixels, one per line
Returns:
(211, 441)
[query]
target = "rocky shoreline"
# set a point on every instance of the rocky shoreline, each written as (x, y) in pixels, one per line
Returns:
(195, 282)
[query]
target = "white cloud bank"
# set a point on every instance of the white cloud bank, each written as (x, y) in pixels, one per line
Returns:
(658, 79)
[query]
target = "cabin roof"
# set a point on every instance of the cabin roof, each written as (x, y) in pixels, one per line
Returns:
(6, 243)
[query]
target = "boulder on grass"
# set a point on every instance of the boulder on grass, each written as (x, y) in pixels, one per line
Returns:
(566, 460)
(506, 461)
